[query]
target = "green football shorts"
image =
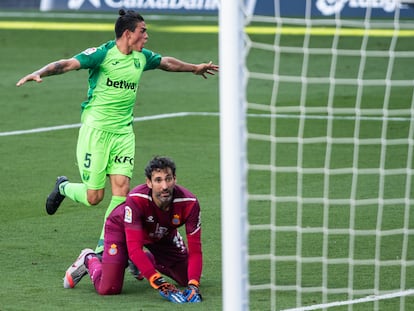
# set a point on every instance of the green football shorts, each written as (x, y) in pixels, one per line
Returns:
(100, 153)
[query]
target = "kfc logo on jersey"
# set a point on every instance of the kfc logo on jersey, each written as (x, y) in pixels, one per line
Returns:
(128, 215)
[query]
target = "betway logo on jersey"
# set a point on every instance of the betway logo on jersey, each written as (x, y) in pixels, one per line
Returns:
(122, 84)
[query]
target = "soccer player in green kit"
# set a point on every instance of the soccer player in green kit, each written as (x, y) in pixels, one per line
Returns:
(106, 141)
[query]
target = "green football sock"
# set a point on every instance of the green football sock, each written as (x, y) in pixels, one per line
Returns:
(115, 201)
(75, 191)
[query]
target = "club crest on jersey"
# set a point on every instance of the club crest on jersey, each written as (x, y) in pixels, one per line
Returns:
(128, 215)
(113, 250)
(176, 220)
(137, 63)
(85, 176)
(89, 51)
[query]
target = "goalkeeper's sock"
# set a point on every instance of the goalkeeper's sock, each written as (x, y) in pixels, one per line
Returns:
(115, 201)
(76, 192)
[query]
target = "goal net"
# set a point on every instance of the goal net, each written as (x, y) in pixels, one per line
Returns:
(317, 138)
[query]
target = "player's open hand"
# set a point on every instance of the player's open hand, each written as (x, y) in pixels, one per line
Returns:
(29, 77)
(206, 68)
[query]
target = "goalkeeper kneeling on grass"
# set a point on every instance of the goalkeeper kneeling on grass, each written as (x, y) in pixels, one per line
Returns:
(143, 229)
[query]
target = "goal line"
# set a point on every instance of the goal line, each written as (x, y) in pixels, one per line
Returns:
(354, 301)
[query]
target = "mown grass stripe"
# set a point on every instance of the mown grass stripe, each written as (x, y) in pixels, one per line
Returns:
(265, 30)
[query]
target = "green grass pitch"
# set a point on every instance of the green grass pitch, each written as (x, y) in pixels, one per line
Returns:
(37, 248)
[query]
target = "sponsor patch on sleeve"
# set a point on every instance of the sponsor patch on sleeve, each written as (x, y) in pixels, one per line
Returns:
(128, 215)
(89, 51)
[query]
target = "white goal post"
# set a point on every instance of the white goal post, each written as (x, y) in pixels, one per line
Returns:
(317, 156)
(232, 157)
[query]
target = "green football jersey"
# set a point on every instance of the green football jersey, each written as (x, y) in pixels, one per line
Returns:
(113, 83)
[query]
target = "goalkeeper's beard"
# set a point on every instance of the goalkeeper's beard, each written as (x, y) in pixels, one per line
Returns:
(164, 198)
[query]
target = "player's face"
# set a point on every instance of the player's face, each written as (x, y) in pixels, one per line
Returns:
(138, 37)
(162, 184)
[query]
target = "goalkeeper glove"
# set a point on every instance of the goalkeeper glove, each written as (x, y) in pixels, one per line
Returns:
(166, 290)
(192, 292)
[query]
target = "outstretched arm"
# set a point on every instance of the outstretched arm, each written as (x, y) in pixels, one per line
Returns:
(54, 68)
(173, 64)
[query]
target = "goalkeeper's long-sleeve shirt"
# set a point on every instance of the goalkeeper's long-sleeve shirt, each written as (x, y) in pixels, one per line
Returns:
(145, 224)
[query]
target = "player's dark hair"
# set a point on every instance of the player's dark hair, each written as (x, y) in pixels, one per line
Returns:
(127, 20)
(159, 163)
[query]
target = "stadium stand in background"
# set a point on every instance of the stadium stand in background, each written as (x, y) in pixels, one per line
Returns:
(19, 4)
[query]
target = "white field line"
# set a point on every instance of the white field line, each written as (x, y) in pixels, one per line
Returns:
(354, 301)
(137, 119)
(185, 114)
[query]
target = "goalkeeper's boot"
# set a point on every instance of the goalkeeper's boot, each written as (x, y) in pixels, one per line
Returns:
(134, 271)
(55, 198)
(77, 270)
